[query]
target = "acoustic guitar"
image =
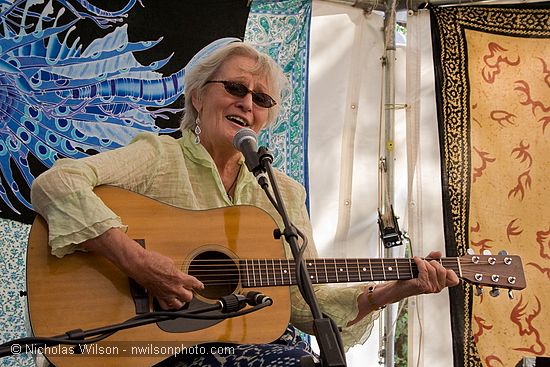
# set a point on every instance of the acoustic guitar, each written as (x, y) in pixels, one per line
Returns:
(231, 250)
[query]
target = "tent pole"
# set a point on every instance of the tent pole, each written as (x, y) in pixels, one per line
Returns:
(389, 159)
(366, 5)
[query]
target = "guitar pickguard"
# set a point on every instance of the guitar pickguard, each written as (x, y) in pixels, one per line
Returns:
(183, 325)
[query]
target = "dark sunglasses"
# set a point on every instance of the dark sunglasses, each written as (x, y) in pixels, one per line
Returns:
(241, 90)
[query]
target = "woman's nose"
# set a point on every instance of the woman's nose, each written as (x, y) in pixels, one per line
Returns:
(245, 102)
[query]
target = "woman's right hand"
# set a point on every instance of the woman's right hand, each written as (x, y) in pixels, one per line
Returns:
(154, 271)
(159, 274)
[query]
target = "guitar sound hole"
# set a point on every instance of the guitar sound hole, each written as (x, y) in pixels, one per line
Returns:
(217, 271)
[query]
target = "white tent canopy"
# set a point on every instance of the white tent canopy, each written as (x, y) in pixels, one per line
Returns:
(346, 142)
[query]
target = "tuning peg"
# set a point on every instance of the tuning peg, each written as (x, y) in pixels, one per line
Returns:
(470, 251)
(487, 252)
(503, 252)
(510, 294)
(479, 290)
(495, 292)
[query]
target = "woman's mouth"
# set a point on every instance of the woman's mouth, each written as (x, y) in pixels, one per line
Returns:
(238, 120)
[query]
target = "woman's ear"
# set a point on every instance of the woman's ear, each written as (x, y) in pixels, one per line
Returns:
(196, 101)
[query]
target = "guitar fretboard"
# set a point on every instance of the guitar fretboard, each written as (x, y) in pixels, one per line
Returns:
(279, 272)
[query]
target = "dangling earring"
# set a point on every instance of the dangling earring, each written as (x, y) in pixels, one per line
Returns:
(197, 130)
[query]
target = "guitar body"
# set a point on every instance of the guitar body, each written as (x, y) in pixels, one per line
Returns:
(85, 291)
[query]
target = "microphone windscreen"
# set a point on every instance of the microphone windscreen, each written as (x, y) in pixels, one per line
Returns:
(246, 142)
(243, 135)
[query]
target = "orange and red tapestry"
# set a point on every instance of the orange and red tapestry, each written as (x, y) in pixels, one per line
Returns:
(493, 92)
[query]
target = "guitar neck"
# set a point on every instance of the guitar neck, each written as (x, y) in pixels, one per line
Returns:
(278, 272)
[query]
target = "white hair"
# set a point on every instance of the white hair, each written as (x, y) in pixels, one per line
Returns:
(205, 69)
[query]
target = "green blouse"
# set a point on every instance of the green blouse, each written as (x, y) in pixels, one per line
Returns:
(180, 173)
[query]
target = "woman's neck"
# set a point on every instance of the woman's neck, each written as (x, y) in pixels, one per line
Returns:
(226, 158)
(228, 167)
(229, 174)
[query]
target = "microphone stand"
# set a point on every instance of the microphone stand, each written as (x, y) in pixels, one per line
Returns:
(229, 306)
(326, 331)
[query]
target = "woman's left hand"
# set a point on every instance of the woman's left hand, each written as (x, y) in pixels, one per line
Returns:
(432, 278)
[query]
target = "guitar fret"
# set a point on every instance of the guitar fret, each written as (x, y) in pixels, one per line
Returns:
(326, 273)
(260, 272)
(347, 269)
(313, 271)
(411, 268)
(316, 276)
(267, 281)
(341, 270)
(358, 270)
(362, 269)
(390, 272)
(331, 271)
(289, 273)
(459, 267)
(393, 271)
(281, 269)
(308, 265)
(318, 271)
(267, 272)
(370, 267)
(354, 275)
(274, 276)
(336, 271)
(319, 267)
(253, 278)
(254, 272)
(397, 269)
(247, 273)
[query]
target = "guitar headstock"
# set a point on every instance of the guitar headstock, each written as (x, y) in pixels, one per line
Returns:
(496, 271)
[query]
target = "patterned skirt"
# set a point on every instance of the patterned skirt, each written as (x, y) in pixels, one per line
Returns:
(288, 350)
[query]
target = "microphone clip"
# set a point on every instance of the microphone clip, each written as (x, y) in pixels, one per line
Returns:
(390, 234)
(264, 157)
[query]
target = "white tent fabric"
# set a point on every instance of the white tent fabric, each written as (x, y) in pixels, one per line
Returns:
(343, 137)
(345, 101)
(429, 328)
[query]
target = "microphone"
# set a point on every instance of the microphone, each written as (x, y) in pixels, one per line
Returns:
(246, 142)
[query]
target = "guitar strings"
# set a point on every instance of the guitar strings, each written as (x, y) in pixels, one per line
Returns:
(343, 262)
(261, 264)
(275, 280)
(266, 271)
